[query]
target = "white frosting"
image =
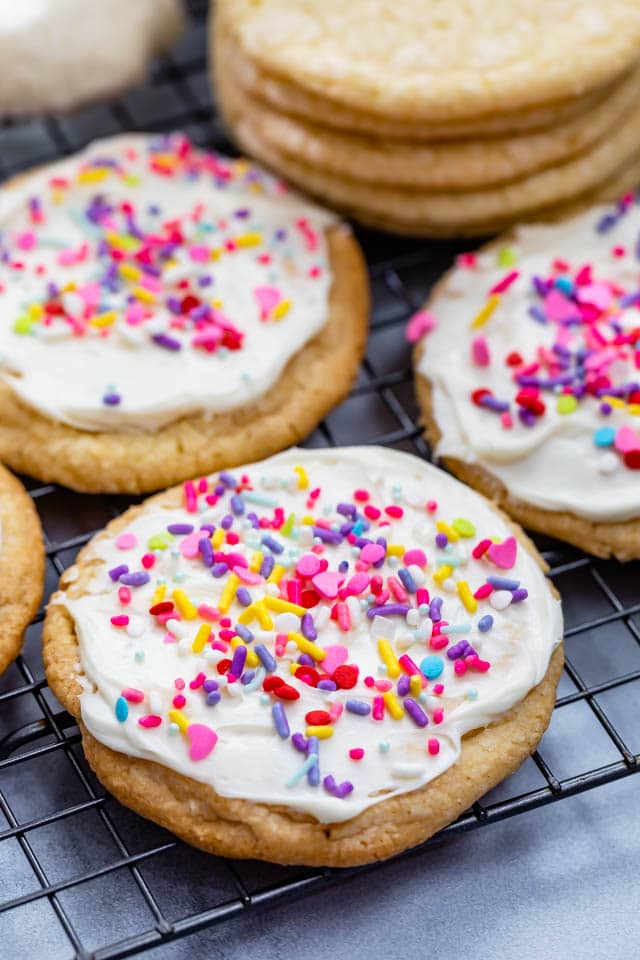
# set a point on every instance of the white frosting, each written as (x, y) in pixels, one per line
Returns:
(250, 759)
(554, 464)
(66, 376)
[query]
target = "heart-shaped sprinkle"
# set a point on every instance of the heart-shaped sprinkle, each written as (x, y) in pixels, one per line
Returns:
(372, 552)
(202, 740)
(327, 584)
(189, 547)
(336, 655)
(504, 554)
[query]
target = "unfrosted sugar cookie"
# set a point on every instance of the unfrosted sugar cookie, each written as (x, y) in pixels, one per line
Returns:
(165, 312)
(320, 658)
(58, 54)
(21, 565)
(528, 372)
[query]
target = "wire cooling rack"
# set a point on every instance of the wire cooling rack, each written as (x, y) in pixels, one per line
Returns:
(86, 878)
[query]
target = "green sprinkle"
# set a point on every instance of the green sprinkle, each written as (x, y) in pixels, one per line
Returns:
(160, 541)
(566, 403)
(464, 527)
(507, 256)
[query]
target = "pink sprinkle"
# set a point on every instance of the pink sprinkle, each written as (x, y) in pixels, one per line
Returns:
(132, 695)
(148, 561)
(422, 596)
(356, 753)
(506, 420)
(202, 740)
(415, 557)
(197, 681)
(308, 565)
(126, 541)
(268, 298)
(396, 513)
(190, 497)
(124, 595)
(327, 584)
(419, 324)
(372, 553)
(460, 668)
(438, 642)
(179, 701)
(121, 620)
(151, 720)
(433, 746)
(357, 584)
(383, 685)
(220, 645)
(369, 681)
(335, 711)
(505, 283)
(467, 260)
(199, 253)
(484, 590)
(432, 506)
(179, 683)
(189, 547)
(438, 713)
(480, 352)
(371, 513)
(27, 240)
(361, 496)
(208, 613)
(281, 643)
(377, 711)
(344, 617)
(335, 655)
(438, 688)
(408, 665)
(481, 548)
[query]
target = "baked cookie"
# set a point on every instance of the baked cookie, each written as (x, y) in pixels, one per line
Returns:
(404, 60)
(321, 658)
(528, 376)
(289, 98)
(21, 565)
(446, 213)
(167, 312)
(443, 165)
(59, 54)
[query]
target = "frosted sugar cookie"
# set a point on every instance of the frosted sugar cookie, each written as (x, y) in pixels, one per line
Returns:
(529, 377)
(320, 658)
(21, 565)
(58, 54)
(165, 312)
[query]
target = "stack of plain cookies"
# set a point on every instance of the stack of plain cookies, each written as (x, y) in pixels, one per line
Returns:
(441, 118)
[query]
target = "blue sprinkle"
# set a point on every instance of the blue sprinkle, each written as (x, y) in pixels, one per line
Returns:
(272, 544)
(122, 709)
(265, 657)
(604, 437)
(358, 706)
(214, 697)
(485, 623)
(407, 580)
(237, 504)
(432, 667)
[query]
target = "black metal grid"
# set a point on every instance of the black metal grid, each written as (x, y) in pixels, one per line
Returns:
(90, 879)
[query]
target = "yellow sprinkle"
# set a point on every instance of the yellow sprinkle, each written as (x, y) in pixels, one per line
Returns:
(159, 594)
(634, 409)
(57, 196)
(284, 606)
(129, 272)
(446, 528)
(281, 310)
(121, 240)
(486, 311)
(252, 657)
(465, 594)
(184, 605)
(201, 638)
(308, 520)
(415, 685)
(307, 646)
(218, 538)
(395, 550)
(216, 253)
(93, 176)
(178, 717)
(613, 402)
(104, 319)
(277, 574)
(35, 311)
(248, 615)
(393, 705)
(264, 617)
(303, 480)
(322, 733)
(256, 561)
(141, 293)
(228, 593)
(442, 573)
(389, 658)
(249, 239)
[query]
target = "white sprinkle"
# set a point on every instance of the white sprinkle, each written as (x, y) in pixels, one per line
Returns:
(500, 600)
(287, 623)
(407, 771)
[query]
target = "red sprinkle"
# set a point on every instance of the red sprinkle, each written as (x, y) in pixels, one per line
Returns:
(345, 676)
(317, 718)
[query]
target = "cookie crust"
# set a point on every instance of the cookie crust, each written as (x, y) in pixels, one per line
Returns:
(240, 828)
(21, 565)
(315, 380)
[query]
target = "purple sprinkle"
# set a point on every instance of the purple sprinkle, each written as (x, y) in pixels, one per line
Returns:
(280, 720)
(346, 509)
(407, 580)
(527, 417)
(135, 579)
(520, 594)
(219, 569)
(503, 583)
(441, 540)
(343, 566)
(112, 399)
(458, 650)
(388, 610)
(227, 521)
(239, 660)
(237, 504)
(492, 403)
(308, 627)
(537, 314)
(267, 565)
(265, 657)
(228, 479)
(214, 697)
(299, 742)
(116, 572)
(272, 544)
(434, 609)
(164, 340)
(380, 563)
(206, 551)
(327, 685)
(313, 775)
(244, 632)
(327, 536)
(416, 712)
(180, 529)
(306, 660)
(403, 685)
(343, 789)
(358, 706)
(243, 596)
(247, 677)
(209, 685)
(329, 784)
